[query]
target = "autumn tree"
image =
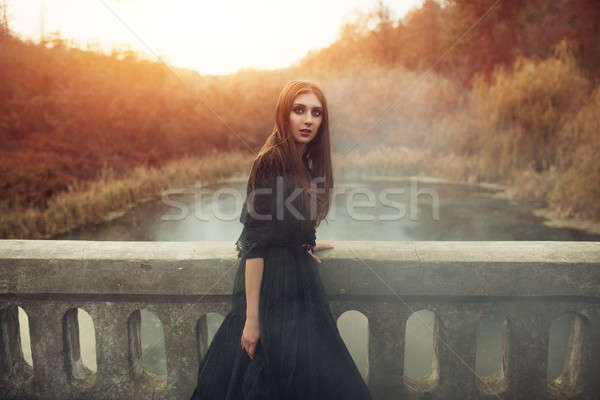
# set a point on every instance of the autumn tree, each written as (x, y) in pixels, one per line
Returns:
(3, 18)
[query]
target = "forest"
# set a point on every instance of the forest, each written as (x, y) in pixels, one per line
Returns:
(478, 91)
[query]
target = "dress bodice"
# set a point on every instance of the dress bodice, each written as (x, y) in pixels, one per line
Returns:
(276, 217)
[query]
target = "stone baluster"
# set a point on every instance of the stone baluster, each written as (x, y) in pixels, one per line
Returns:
(46, 332)
(455, 347)
(591, 383)
(112, 349)
(337, 309)
(179, 323)
(387, 326)
(527, 357)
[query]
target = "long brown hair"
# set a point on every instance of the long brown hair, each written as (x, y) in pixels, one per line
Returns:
(279, 155)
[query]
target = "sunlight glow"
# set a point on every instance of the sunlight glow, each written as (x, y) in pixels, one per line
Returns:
(210, 37)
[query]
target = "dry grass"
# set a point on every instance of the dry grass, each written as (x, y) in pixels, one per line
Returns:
(110, 195)
(96, 201)
(535, 129)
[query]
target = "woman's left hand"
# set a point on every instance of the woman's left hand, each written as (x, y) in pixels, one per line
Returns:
(322, 246)
(319, 247)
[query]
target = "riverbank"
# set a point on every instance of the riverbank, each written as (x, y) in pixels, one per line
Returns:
(429, 166)
(111, 197)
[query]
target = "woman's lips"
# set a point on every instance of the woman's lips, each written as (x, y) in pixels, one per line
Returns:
(306, 132)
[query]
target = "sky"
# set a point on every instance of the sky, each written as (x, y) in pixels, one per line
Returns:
(211, 37)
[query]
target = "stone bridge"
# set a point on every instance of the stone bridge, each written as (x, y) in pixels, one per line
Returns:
(529, 284)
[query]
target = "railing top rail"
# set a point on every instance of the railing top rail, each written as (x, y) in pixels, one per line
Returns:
(498, 268)
(421, 251)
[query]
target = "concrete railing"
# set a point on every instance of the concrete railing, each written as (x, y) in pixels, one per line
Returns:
(529, 283)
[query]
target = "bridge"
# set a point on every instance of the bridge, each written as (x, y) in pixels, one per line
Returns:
(529, 284)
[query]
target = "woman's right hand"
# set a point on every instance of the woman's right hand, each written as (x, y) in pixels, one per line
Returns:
(250, 335)
(317, 259)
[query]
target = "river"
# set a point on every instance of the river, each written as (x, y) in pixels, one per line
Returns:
(373, 210)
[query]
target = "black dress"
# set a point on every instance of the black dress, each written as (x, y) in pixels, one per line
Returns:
(300, 354)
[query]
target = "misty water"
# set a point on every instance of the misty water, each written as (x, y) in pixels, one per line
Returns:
(378, 210)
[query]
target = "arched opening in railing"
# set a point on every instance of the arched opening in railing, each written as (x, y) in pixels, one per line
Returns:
(79, 343)
(16, 363)
(354, 330)
(421, 362)
(207, 326)
(491, 354)
(25, 336)
(568, 360)
(147, 349)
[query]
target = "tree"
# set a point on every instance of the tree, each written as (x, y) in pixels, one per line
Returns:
(422, 36)
(3, 18)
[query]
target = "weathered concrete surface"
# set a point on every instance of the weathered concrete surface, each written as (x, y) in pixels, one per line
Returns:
(529, 283)
(359, 268)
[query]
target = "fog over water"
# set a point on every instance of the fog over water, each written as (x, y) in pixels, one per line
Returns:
(409, 210)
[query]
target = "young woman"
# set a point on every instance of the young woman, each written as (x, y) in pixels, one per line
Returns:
(280, 340)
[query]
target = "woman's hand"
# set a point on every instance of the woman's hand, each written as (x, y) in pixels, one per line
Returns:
(322, 246)
(250, 335)
(319, 247)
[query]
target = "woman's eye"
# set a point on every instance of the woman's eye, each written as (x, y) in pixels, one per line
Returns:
(300, 110)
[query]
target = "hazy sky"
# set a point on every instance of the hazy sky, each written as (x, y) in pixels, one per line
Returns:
(212, 37)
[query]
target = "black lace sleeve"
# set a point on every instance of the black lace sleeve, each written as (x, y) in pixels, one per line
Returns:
(259, 225)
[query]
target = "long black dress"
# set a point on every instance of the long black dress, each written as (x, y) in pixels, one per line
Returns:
(300, 354)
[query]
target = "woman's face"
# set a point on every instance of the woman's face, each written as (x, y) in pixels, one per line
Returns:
(305, 118)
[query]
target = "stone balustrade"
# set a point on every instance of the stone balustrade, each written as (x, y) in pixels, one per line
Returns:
(528, 283)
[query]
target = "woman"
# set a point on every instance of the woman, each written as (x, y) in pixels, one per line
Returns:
(280, 340)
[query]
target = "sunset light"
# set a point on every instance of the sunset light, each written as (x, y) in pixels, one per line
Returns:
(210, 37)
(308, 199)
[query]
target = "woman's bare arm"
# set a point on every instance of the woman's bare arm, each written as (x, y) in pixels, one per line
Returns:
(254, 272)
(251, 332)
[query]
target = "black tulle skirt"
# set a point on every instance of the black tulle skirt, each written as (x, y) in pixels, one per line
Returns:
(300, 354)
